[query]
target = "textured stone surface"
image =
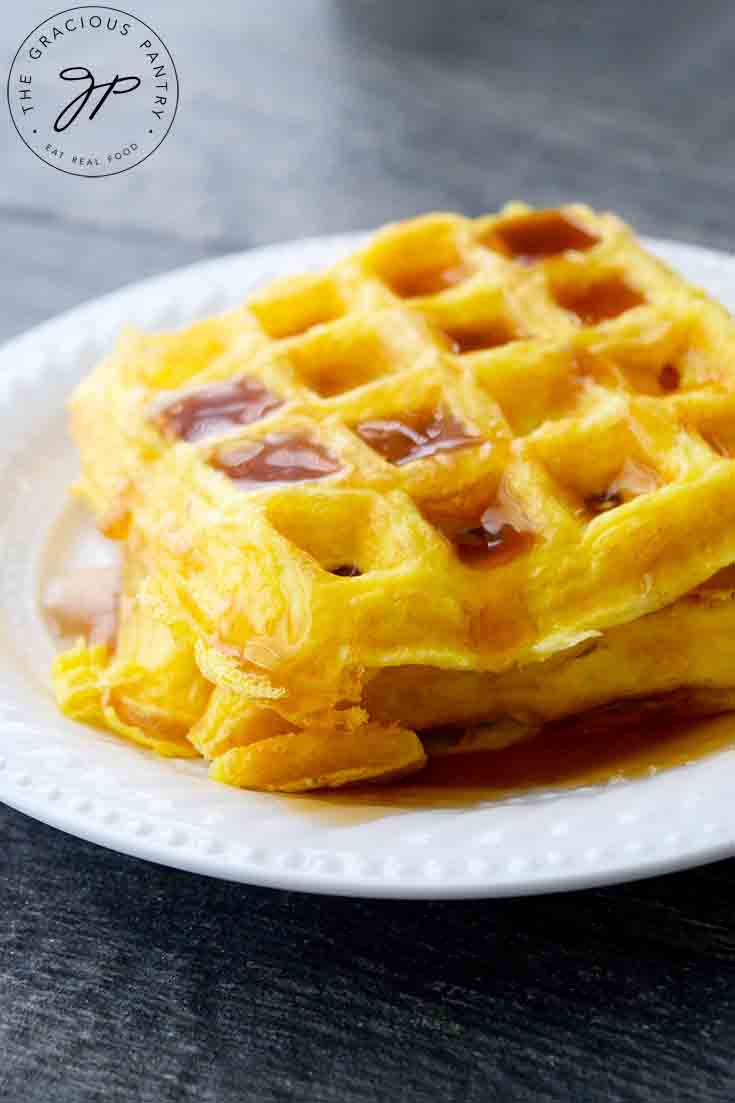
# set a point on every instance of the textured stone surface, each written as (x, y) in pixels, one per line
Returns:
(122, 981)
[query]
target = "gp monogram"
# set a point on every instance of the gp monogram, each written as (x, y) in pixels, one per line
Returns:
(93, 91)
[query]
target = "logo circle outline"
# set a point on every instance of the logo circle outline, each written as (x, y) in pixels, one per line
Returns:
(99, 175)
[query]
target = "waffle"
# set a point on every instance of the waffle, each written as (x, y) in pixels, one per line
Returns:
(426, 477)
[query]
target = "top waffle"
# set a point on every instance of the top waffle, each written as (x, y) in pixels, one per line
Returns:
(469, 445)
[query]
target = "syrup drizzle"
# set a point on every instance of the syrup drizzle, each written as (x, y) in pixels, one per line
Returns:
(428, 281)
(492, 541)
(484, 533)
(600, 301)
(497, 537)
(540, 234)
(215, 408)
(278, 458)
(669, 378)
(402, 441)
(633, 480)
(488, 336)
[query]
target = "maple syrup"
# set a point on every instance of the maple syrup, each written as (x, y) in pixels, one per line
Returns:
(669, 378)
(610, 744)
(493, 535)
(215, 408)
(428, 281)
(600, 301)
(495, 540)
(539, 234)
(278, 458)
(84, 602)
(633, 480)
(346, 570)
(402, 441)
(463, 339)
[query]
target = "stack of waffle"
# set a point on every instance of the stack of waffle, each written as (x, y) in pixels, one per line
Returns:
(474, 478)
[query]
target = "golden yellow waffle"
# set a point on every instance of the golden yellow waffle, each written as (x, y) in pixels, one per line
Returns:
(451, 460)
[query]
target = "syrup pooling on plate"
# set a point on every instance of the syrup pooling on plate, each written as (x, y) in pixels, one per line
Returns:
(84, 602)
(541, 234)
(278, 458)
(591, 749)
(405, 440)
(216, 408)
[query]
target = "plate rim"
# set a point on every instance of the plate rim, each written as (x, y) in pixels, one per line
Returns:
(169, 856)
(89, 819)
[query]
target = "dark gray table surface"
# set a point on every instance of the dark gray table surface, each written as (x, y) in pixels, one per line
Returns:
(124, 981)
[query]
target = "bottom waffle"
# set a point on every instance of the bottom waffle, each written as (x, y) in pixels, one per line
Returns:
(166, 690)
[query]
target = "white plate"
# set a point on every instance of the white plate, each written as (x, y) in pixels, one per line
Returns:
(99, 788)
